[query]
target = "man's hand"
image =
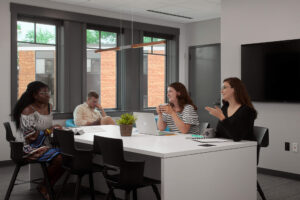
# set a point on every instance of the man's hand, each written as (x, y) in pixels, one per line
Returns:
(99, 106)
(97, 122)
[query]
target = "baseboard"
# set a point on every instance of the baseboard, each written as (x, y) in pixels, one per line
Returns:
(278, 173)
(6, 162)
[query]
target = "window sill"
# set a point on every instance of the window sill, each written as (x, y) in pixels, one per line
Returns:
(109, 112)
(58, 115)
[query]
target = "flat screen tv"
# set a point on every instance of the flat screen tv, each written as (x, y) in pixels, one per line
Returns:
(271, 71)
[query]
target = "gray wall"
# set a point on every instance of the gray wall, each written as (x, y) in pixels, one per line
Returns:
(201, 33)
(245, 21)
(4, 75)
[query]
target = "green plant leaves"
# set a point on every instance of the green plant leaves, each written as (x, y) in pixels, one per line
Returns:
(127, 119)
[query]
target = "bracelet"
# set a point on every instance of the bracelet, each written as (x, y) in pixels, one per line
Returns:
(48, 131)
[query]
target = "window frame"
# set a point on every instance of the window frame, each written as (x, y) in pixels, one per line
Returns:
(118, 70)
(71, 81)
(14, 58)
(144, 81)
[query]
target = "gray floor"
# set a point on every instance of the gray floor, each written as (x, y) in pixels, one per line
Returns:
(22, 192)
(275, 188)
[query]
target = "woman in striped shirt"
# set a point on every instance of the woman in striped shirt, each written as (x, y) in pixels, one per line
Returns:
(180, 114)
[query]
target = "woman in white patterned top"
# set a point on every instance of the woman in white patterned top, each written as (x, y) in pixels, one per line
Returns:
(33, 118)
(180, 114)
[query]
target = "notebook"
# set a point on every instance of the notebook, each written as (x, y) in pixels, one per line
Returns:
(87, 129)
(146, 124)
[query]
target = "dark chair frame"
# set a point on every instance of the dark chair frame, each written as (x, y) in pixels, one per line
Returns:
(120, 173)
(16, 154)
(261, 135)
(203, 126)
(76, 161)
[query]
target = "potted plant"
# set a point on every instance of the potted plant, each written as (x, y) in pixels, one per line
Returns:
(126, 122)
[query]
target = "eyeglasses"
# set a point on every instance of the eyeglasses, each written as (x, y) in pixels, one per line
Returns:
(225, 87)
(45, 93)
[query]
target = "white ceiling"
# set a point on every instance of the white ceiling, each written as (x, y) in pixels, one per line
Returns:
(197, 9)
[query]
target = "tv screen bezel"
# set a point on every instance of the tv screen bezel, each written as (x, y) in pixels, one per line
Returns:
(261, 44)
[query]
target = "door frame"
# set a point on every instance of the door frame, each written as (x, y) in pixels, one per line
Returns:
(190, 65)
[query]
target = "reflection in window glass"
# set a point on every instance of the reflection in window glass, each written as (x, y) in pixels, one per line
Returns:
(158, 39)
(25, 31)
(102, 68)
(108, 40)
(92, 38)
(36, 61)
(45, 34)
(40, 66)
(89, 65)
(159, 49)
(155, 71)
(147, 39)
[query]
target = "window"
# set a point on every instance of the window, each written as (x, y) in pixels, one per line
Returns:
(102, 67)
(154, 73)
(36, 56)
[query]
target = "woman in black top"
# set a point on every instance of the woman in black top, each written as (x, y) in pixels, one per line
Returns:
(237, 114)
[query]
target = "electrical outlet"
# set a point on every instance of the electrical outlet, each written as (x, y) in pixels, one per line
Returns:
(295, 147)
(287, 146)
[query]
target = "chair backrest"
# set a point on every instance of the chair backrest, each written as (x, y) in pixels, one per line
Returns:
(203, 126)
(9, 135)
(111, 150)
(65, 140)
(16, 148)
(70, 123)
(261, 135)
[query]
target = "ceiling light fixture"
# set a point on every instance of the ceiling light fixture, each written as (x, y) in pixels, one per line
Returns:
(132, 46)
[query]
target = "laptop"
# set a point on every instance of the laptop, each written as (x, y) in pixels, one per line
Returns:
(146, 124)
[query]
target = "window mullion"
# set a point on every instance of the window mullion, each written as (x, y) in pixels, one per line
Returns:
(34, 33)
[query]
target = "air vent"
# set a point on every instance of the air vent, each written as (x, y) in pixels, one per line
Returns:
(170, 14)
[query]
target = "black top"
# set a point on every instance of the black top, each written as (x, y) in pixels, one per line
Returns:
(239, 126)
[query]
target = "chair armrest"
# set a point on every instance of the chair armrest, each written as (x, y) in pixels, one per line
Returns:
(108, 169)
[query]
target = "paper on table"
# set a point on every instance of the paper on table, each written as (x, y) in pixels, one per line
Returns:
(212, 140)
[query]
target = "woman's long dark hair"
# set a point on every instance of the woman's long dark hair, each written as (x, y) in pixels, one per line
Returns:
(184, 97)
(26, 99)
(240, 92)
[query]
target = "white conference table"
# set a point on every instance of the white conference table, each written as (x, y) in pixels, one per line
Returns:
(226, 171)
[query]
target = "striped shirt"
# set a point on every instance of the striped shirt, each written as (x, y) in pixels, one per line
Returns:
(188, 116)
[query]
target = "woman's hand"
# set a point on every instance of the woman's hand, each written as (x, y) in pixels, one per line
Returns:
(217, 112)
(158, 110)
(39, 152)
(167, 109)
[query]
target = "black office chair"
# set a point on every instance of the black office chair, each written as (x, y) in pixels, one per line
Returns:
(119, 173)
(261, 135)
(76, 161)
(203, 126)
(16, 154)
